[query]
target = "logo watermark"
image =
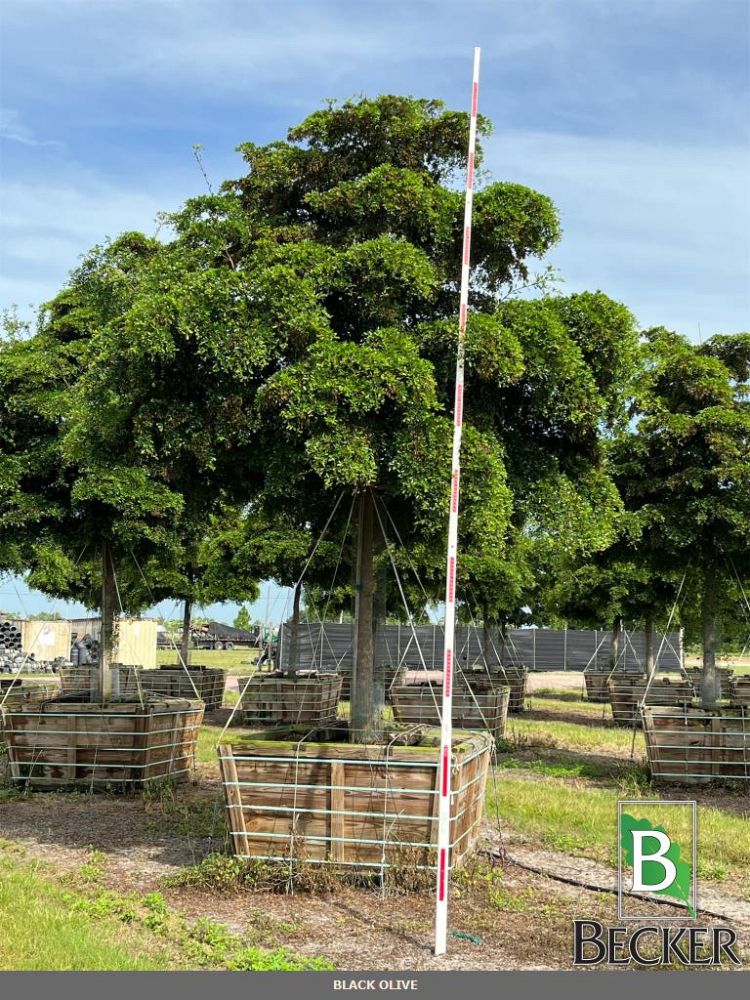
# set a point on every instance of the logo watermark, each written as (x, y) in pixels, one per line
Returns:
(657, 860)
(651, 860)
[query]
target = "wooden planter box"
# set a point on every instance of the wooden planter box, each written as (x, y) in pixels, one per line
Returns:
(78, 680)
(310, 699)
(174, 681)
(20, 693)
(480, 703)
(597, 681)
(168, 682)
(739, 692)
(516, 678)
(695, 746)
(351, 804)
(724, 674)
(390, 676)
(596, 685)
(626, 694)
(70, 741)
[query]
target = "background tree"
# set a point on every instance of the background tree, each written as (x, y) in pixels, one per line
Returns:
(67, 510)
(243, 619)
(618, 584)
(687, 468)
(201, 567)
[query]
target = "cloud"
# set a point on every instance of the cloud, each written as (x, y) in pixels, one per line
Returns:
(631, 117)
(257, 50)
(663, 227)
(45, 227)
(12, 129)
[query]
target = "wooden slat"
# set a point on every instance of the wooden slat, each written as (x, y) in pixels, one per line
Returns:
(337, 825)
(236, 815)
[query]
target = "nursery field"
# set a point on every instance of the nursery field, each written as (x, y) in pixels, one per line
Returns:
(131, 882)
(236, 661)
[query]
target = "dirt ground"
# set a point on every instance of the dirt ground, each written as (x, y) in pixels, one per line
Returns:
(558, 680)
(512, 909)
(503, 916)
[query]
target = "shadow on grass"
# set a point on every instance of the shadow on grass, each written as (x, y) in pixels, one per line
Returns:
(560, 694)
(552, 762)
(578, 718)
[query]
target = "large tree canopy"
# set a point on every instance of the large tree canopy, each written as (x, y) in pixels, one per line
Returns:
(296, 339)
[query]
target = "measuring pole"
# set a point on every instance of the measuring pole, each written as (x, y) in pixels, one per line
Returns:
(446, 734)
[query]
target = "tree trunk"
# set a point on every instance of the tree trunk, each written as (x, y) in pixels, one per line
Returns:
(187, 617)
(503, 633)
(378, 621)
(486, 640)
(616, 637)
(293, 661)
(365, 718)
(709, 693)
(103, 686)
(648, 632)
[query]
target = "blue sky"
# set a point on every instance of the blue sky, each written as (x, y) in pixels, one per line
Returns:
(633, 116)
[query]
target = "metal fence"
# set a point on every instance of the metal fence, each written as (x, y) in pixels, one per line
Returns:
(329, 645)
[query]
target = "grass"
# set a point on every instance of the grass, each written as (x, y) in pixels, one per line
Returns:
(208, 737)
(561, 694)
(580, 820)
(522, 732)
(41, 931)
(562, 768)
(596, 710)
(236, 661)
(46, 926)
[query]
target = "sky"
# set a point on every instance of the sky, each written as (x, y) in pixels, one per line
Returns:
(634, 117)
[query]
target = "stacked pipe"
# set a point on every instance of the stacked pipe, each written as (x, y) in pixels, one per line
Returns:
(13, 662)
(84, 651)
(10, 636)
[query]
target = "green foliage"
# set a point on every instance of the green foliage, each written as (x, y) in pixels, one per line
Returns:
(685, 467)
(42, 930)
(243, 619)
(206, 400)
(204, 943)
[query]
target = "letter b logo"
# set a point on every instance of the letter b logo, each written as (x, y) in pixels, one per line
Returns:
(648, 866)
(655, 846)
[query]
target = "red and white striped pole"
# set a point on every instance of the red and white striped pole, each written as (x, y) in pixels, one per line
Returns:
(446, 735)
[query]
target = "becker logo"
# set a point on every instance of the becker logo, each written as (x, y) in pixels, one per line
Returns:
(656, 861)
(656, 855)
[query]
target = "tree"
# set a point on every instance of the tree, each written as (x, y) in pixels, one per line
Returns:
(242, 619)
(281, 545)
(68, 511)
(296, 340)
(360, 197)
(85, 502)
(686, 467)
(201, 568)
(624, 582)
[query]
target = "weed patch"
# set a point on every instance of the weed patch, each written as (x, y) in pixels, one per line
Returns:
(205, 943)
